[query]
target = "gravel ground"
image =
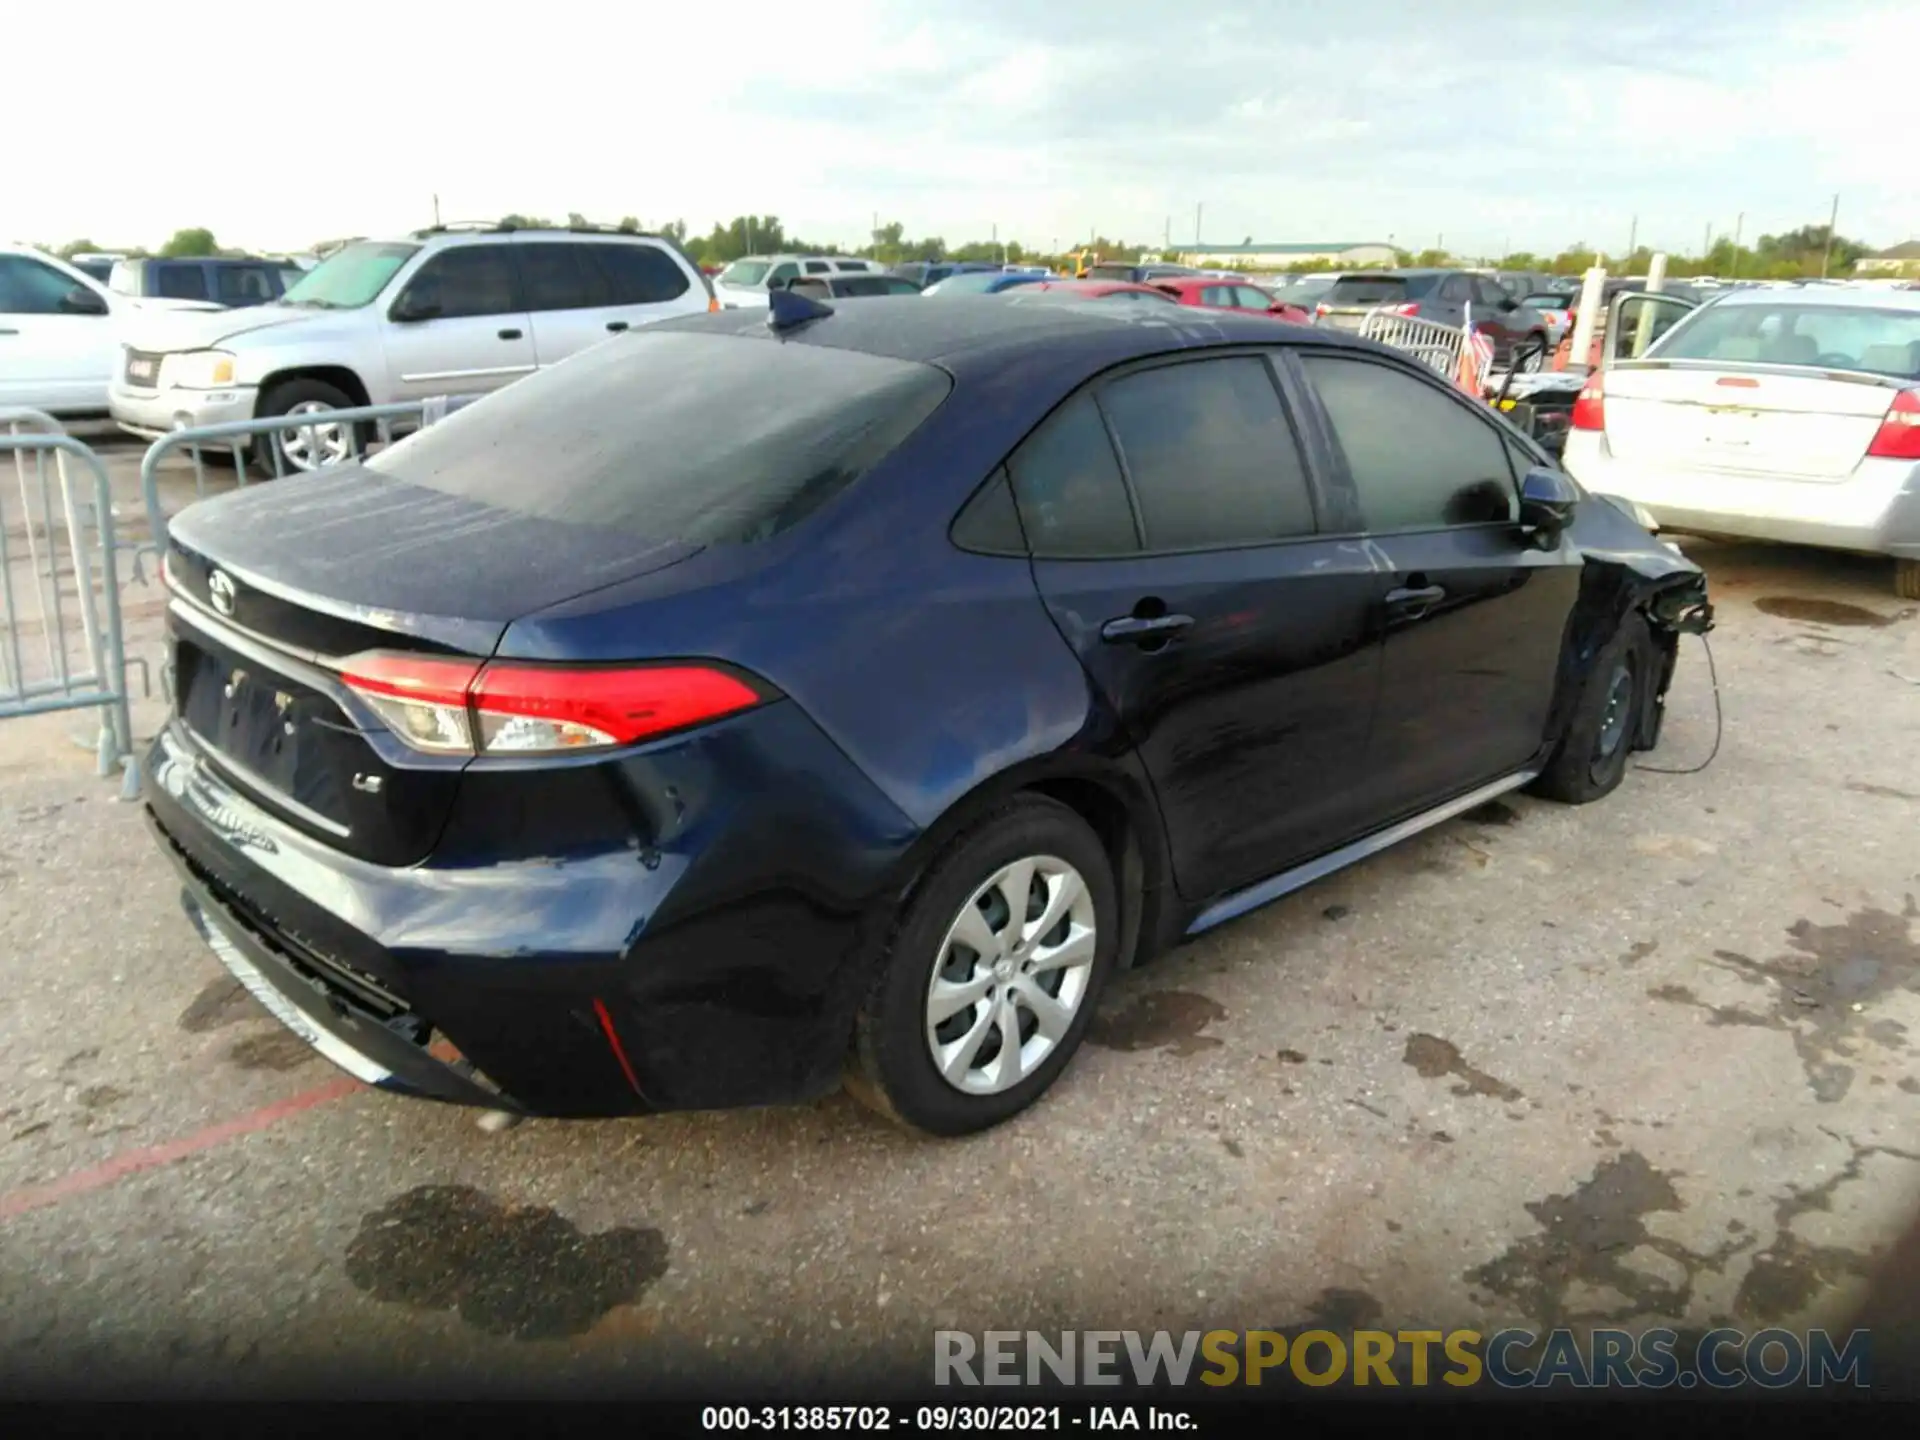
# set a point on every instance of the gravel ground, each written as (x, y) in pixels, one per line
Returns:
(1647, 1061)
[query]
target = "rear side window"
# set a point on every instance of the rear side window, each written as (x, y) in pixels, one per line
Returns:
(181, 282)
(1252, 299)
(1436, 464)
(1220, 295)
(645, 274)
(854, 265)
(648, 434)
(560, 277)
(1211, 456)
(1073, 501)
(989, 524)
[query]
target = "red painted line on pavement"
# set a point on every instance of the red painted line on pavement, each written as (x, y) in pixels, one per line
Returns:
(80, 1182)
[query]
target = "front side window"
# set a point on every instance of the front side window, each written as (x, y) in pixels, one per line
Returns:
(1211, 456)
(818, 267)
(1067, 483)
(29, 288)
(1436, 464)
(466, 281)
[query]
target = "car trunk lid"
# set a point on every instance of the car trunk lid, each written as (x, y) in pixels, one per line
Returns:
(1352, 298)
(1803, 424)
(276, 585)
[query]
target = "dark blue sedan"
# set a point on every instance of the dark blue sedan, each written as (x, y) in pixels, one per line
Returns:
(762, 697)
(980, 282)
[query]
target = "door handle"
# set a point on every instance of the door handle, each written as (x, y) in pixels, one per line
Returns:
(1410, 603)
(1143, 629)
(616, 326)
(509, 334)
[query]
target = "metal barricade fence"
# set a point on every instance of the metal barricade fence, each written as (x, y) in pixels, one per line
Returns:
(1429, 341)
(341, 434)
(70, 576)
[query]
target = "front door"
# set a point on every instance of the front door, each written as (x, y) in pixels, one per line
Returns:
(52, 356)
(1178, 546)
(1474, 616)
(467, 329)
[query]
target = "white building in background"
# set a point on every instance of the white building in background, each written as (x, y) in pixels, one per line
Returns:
(1335, 256)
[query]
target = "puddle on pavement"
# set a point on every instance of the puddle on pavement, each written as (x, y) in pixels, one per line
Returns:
(1790, 1273)
(1433, 1058)
(1159, 1020)
(1821, 612)
(528, 1273)
(1589, 1237)
(1821, 987)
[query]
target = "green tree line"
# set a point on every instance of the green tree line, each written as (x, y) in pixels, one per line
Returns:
(1794, 255)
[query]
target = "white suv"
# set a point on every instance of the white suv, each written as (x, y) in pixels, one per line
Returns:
(442, 312)
(745, 282)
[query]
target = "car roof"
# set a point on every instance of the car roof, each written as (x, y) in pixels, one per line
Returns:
(1096, 287)
(1825, 296)
(978, 336)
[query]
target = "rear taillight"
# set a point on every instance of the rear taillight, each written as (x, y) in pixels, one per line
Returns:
(1899, 436)
(1590, 407)
(1407, 309)
(465, 707)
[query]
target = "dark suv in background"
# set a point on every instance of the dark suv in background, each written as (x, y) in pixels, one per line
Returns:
(1440, 295)
(230, 282)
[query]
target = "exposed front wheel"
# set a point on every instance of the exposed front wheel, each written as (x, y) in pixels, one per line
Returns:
(992, 973)
(309, 445)
(1592, 756)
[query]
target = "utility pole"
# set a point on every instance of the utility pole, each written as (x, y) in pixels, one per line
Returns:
(436, 212)
(1633, 239)
(1198, 210)
(1166, 236)
(1826, 251)
(1739, 224)
(1706, 241)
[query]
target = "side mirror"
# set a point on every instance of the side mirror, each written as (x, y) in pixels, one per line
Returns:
(416, 305)
(1547, 498)
(82, 301)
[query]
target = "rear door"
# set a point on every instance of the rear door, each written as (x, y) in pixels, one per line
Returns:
(566, 296)
(1474, 617)
(1177, 542)
(473, 334)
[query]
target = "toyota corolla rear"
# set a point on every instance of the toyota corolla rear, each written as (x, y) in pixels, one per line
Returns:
(1780, 419)
(462, 780)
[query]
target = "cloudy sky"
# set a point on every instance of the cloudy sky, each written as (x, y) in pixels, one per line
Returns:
(1525, 126)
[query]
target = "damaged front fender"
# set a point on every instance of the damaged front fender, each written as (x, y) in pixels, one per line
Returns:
(1628, 570)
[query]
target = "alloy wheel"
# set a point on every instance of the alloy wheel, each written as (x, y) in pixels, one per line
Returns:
(1011, 974)
(311, 446)
(1615, 717)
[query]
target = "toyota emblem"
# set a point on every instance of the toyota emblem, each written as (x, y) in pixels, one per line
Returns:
(220, 591)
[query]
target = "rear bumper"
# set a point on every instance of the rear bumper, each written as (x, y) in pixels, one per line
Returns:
(714, 960)
(1876, 510)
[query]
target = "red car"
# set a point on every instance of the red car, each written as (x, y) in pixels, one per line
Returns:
(1095, 289)
(1214, 294)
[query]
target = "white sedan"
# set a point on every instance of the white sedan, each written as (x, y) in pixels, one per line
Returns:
(1785, 415)
(60, 333)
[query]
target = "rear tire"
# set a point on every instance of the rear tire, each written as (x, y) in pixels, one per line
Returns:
(1592, 756)
(930, 1051)
(323, 444)
(1906, 579)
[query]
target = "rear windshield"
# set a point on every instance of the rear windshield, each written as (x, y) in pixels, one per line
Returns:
(708, 439)
(1378, 289)
(1831, 337)
(1111, 272)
